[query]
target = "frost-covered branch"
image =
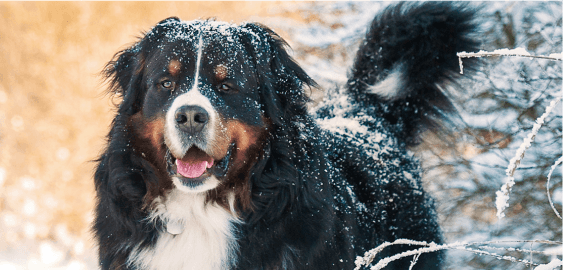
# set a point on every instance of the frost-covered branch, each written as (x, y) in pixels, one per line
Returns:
(504, 193)
(511, 249)
(547, 185)
(370, 255)
(414, 260)
(504, 52)
(428, 247)
(433, 247)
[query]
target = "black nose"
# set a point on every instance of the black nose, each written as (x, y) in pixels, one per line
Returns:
(191, 119)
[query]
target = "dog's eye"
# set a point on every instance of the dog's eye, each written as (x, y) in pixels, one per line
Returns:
(167, 84)
(226, 88)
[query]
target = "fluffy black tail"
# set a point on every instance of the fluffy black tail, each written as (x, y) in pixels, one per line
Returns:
(408, 56)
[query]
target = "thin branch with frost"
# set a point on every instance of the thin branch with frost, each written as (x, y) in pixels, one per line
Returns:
(518, 241)
(370, 255)
(504, 193)
(504, 52)
(500, 257)
(432, 247)
(512, 249)
(547, 185)
(414, 260)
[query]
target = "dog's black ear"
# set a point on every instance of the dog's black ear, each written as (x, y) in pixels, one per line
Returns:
(124, 72)
(169, 20)
(282, 80)
(119, 73)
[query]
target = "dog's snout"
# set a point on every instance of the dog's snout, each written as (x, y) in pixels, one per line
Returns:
(191, 119)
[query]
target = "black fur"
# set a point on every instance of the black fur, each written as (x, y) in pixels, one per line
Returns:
(319, 196)
(423, 40)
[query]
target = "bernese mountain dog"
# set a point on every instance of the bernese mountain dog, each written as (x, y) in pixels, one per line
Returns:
(214, 160)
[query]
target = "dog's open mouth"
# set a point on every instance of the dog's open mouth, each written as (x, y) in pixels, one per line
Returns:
(196, 166)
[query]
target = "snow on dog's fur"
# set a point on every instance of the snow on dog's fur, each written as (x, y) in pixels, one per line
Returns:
(214, 162)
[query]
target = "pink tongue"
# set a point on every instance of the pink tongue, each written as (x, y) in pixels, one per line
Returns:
(192, 170)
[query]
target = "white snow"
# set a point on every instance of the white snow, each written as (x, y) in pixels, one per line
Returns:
(352, 25)
(550, 266)
(555, 55)
(337, 123)
(2, 176)
(558, 196)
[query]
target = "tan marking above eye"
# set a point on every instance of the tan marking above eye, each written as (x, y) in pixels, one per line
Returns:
(174, 67)
(221, 72)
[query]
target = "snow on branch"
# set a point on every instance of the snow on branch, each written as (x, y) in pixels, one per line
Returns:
(504, 193)
(504, 52)
(547, 185)
(432, 247)
(550, 266)
(370, 255)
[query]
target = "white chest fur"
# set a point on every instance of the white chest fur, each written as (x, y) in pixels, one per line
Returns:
(203, 236)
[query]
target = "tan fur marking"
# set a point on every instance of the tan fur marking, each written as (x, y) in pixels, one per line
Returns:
(221, 72)
(154, 131)
(244, 136)
(221, 141)
(249, 142)
(147, 142)
(150, 130)
(174, 67)
(234, 131)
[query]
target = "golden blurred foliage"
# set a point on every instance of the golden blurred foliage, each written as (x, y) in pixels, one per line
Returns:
(53, 112)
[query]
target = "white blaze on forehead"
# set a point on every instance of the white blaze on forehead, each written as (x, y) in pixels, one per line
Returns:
(172, 136)
(198, 62)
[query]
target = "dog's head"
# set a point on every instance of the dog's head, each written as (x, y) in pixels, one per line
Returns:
(202, 99)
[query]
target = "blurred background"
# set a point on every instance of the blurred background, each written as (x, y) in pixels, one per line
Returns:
(54, 115)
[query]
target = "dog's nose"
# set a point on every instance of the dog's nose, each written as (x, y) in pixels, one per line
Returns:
(191, 119)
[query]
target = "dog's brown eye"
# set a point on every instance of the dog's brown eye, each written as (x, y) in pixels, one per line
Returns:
(167, 84)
